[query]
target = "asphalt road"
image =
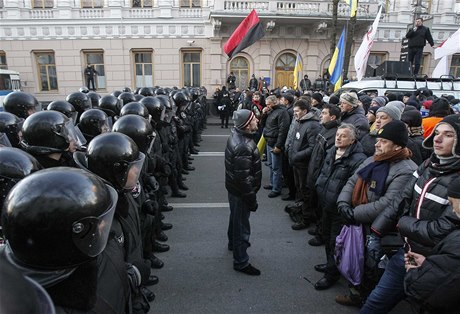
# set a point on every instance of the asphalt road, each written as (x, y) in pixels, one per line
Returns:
(198, 276)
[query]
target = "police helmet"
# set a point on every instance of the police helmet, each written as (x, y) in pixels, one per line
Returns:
(111, 105)
(94, 98)
(136, 108)
(48, 132)
(114, 157)
(180, 98)
(58, 218)
(138, 97)
(84, 90)
(155, 107)
(11, 126)
(126, 90)
(64, 107)
(126, 97)
(116, 93)
(94, 122)
(138, 129)
(79, 101)
(146, 91)
(21, 104)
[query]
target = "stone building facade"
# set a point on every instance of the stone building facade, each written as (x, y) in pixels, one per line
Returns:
(138, 43)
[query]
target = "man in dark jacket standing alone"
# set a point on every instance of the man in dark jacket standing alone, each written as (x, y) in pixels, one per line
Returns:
(418, 36)
(243, 176)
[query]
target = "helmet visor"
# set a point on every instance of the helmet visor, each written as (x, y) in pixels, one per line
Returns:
(150, 141)
(90, 234)
(73, 134)
(4, 141)
(73, 116)
(133, 172)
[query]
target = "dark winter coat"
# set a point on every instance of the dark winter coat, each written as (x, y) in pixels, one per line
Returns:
(324, 141)
(335, 174)
(426, 216)
(276, 126)
(436, 284)
(368, 141)
(304, 139)
(419, 37)
(358, 118)
(243, 171)
(398, 177)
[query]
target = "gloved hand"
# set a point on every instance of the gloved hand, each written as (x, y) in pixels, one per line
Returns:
(374, 250)
(346, 211)
(152, 183)
(253, 207)
(134, 275)
(150, 207)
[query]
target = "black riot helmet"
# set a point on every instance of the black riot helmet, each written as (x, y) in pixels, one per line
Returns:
(180, 99)
(195, 93)
(138, 97)
(114, 157)
(116, 93)
(168, 105)
(136, 108)
(94, 97)
(11, 125)
(146, 91)
(80, 101)
(126, 90)
(15, 164)
(64, 107)
(111, 105)
(137, 90)
(94, 122)
(160, 91)
(58, 218)
(21, 104)
(48, 132)
(126, 97)
(83, 90)
(138, 129)
(155, 108)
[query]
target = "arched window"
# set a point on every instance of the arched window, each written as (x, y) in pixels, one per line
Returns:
(284, 68)
(240, 68)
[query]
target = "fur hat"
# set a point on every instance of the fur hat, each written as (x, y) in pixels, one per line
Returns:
(454, 121)
(393, 109)
(395, 131)
(350, 98)
(242, 118)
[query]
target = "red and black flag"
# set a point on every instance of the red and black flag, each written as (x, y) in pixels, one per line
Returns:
(247, 33)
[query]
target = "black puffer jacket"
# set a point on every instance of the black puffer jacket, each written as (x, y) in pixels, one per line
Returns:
(324, 141)
(304, 138)
(276, 126)
(436, 284)
(335, 174)
(243, 171)
(357, 117)
(419, 37)
(426, 214)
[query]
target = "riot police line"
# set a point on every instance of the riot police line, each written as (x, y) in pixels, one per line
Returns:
(83, 187)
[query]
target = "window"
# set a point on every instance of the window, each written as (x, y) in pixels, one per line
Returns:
(190, 3)
(455, 66)
(191, 65)
(96, 59)
(376, 59)
(142, 3)
(143, 68)
(3, 64)
(240, 68)
(43, 4)
(46, 67)
(92, 3)
(427, 5)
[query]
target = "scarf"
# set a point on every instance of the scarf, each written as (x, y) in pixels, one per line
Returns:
(415, 130)
(373, 176)
(258, 105)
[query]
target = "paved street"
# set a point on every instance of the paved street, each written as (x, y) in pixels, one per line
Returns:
(198, 275)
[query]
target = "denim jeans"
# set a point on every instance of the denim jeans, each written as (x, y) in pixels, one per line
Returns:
(390, 289)
(276, 169)
(239, 231)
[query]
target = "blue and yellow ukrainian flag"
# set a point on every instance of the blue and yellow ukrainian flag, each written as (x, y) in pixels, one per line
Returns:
(353, 7)
(336, 65)
(297, 70)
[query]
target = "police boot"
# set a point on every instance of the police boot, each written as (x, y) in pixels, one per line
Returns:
(182, 186)
(178, 194)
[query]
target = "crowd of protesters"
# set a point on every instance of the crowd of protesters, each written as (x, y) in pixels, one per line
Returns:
(84, 186)
(389, 164)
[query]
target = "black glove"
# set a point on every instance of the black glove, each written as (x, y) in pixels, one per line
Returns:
(150, 207)
(253, 207)
(346, 211)
(152, 183)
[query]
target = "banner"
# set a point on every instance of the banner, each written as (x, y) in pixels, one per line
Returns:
(450, 46)
(353, 7)
(362, 55)
(442, 68)
(248, 32)
(298, 70)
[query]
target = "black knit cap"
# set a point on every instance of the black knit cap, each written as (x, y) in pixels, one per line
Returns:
(454, 121)
(454, 188)
(395, 131)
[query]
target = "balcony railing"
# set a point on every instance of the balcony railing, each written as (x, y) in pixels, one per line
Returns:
(41, 14)
(190, 12)
(91, 13)
(241, 6)
(141, 13)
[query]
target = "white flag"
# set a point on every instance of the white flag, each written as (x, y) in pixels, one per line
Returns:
(365, 49)
(450, 46)
(442, 68)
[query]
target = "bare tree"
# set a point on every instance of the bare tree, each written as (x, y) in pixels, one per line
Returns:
(349, 43)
